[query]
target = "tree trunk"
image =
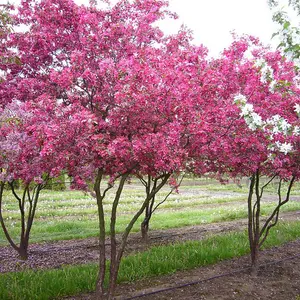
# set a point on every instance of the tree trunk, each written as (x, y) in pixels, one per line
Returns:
(144, 230)
(114, 260)
(27, 218)
(100, 292)
(23, 250)
(113, 281)
(148, 210)
(252, 236)
(146, 221)
(256, 234)
(255, 258)
(114, 269)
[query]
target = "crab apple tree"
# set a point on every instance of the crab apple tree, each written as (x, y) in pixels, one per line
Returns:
(262, 96)
(188, 64)
(7, 57)
(116, 66)
(23, 133)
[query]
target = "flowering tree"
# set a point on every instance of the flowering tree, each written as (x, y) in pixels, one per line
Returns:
(22, 134)
(114, 71)
(122, 100)
(263, 100)
(6, 27)
(188, 68)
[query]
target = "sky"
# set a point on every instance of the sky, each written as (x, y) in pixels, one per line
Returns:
(212, 21)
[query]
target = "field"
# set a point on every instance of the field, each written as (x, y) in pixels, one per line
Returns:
(200, 226)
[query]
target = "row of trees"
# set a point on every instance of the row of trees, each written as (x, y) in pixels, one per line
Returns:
(104, 95)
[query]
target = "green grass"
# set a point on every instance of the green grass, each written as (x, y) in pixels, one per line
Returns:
(157, 261)
(73, 209)
(86, 225)
(48, 284)
(243, 187)
(73, 214)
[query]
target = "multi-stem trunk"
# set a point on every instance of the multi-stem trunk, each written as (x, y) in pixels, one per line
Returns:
(151, 184)
(257, 234)
(26, 219)
(116, 252)
(145, 223)
(148, 209)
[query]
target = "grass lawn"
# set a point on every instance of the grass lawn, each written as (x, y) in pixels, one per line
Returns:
(72, 214)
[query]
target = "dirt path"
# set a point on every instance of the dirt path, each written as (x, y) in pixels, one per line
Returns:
(56, 254)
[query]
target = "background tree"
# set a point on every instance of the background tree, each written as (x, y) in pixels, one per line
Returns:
(23, 129)
(288, 34)
(6, 27)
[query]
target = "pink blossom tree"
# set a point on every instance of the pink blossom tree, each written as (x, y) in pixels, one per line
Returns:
(22, 135)
(260, 94)
(6, 27)
(118, 68)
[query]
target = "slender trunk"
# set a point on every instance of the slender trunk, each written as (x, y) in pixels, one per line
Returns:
(256, 234)
(114, 274)
(6, 233)
(26, 217)
(100, 292)
(254, 258)
(146, 221)
(145, 224)
(149, 208)
(23, 249)
(256, 224)
(273, 219)
(254, 220)
(251, 223)
(114, 267)
(145, 229)
(33, 200)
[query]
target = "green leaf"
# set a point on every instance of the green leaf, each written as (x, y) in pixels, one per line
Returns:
(286, 25)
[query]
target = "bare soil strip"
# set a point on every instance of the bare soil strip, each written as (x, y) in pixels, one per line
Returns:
(56, 254)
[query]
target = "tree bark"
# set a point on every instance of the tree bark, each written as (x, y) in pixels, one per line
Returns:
(148, 215)
(250, 220)
(145, 229)
(114, 265)
(100, 292)
(23, 249)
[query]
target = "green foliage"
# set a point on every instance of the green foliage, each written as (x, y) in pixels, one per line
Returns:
(288, 34)
(5, 20)
(56, 184)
